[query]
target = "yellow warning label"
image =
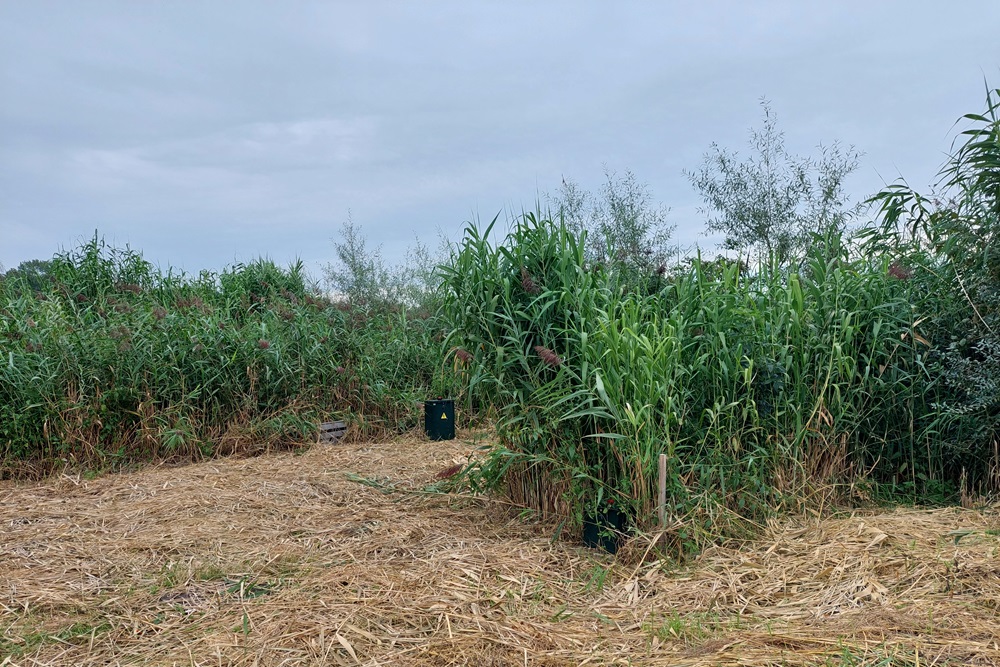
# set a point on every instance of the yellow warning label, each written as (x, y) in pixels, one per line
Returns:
(444, 416)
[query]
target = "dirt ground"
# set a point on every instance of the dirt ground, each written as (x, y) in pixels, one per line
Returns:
(327, 557)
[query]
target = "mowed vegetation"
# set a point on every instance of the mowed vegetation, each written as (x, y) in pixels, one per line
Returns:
(820, 365)
(284, 560)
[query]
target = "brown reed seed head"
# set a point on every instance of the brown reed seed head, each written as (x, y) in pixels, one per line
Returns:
(527, 283)
(449, 472)
(899, 272)
(263, 344)
(548, 356)
(463, 355)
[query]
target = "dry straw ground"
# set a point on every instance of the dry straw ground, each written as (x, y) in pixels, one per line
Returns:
(285, 560)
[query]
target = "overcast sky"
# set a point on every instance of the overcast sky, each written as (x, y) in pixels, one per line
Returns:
(204, 133)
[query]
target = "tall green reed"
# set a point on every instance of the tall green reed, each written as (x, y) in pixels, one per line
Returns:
(113, 362)
(759, 387)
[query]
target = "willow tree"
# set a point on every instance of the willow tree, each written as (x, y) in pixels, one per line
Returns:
(771, 204)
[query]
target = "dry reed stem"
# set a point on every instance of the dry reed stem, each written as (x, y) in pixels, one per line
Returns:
(282, 560)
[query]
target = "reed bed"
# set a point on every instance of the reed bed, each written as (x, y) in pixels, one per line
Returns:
(108, 362)
(866, 366)
(763, 388)
(355, 554)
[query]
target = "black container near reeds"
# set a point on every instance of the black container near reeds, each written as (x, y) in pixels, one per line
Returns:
(605, 529)
(439, 419)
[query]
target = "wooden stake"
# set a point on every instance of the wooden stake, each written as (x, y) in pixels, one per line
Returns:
(661, 507)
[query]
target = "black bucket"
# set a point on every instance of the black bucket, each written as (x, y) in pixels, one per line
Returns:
(439, 419)
(605, 529)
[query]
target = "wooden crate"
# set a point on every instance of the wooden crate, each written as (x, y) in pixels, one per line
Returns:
(331, 432)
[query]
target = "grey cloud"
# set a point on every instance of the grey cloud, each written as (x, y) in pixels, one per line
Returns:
(204, 132)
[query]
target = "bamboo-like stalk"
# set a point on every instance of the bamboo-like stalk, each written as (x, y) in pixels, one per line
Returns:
(661, 499)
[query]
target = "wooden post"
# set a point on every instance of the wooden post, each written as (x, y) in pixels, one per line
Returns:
(661, 507)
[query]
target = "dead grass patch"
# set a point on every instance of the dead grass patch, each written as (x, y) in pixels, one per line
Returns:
(283, 560)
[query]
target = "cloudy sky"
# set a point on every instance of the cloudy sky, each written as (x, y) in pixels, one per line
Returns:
(204, 133)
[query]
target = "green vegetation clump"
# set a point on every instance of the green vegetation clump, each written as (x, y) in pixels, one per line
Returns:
(858, 362)
(946, 248)
(756, 386)
(107, 361)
